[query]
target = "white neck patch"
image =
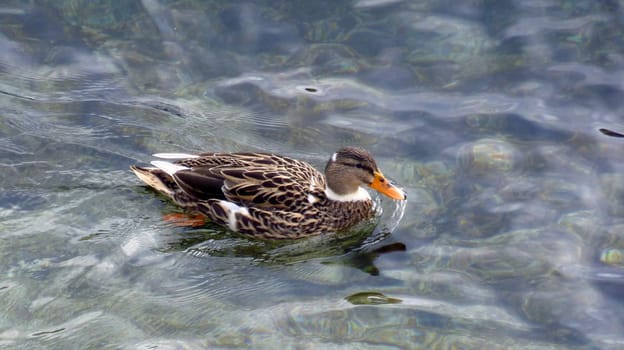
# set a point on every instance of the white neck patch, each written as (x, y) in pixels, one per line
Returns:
(359, 195)
(334, 157)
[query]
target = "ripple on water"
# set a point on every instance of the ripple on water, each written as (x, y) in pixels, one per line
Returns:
(69, 70)
(512, 243)
(422, 323)
(228, 269)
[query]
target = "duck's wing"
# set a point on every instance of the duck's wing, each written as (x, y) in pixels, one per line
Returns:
(252, 179)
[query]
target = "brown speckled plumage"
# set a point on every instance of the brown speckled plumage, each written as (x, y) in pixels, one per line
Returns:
(271, 196)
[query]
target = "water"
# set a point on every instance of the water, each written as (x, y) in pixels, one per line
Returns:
(487, 112)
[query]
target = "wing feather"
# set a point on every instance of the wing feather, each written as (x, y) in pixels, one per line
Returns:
(265, 180)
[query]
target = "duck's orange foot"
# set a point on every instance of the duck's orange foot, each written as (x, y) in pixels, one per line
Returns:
(181, 219)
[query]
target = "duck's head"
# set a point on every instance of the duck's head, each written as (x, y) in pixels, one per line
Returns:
(350, 168)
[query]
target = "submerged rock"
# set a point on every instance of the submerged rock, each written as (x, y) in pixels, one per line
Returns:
(490, 157)
(612, 256)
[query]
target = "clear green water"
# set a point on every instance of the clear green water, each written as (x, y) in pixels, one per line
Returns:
(487, 112)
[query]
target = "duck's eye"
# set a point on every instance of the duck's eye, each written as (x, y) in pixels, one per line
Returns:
(358, 165)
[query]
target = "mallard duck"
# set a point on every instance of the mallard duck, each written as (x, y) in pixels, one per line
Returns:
(270, 196)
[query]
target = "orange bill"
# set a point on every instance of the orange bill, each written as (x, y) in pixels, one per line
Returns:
(383, 186)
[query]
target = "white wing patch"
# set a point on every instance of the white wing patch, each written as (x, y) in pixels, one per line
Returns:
(233, 209)
(174, 155)
(312, 199)
(167, 167)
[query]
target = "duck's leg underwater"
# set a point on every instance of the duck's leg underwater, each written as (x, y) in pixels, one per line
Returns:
(186, 220)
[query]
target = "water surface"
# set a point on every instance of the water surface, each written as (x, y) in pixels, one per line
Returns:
(487, 112)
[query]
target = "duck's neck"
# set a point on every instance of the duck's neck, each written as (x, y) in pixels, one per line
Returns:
(359, 195)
